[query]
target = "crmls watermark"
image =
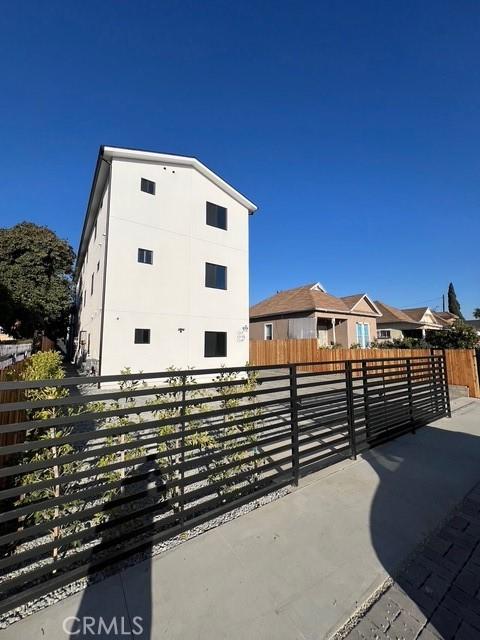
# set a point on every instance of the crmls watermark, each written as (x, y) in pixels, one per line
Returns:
(90, 626)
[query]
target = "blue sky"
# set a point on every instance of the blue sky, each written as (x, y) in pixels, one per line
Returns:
(354, 125)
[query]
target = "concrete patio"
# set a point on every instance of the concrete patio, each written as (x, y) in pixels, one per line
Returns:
(297, 567)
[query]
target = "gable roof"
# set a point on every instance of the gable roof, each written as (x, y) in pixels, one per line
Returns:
(392, 314)
(309, 297)
(444, 318)
(446, 315)
(352, 302)
(417, 313)
(102, 171)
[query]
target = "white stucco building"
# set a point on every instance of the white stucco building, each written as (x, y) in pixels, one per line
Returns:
(162, 270)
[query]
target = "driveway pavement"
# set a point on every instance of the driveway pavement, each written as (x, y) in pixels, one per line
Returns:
(297, 567)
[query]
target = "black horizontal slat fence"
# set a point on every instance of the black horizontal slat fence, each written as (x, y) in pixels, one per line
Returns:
(105, 467)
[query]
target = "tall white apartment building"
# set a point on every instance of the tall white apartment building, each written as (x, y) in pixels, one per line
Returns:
(162, 269)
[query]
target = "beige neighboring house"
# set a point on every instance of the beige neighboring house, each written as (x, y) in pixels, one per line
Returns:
(406, 323)
(310, 312)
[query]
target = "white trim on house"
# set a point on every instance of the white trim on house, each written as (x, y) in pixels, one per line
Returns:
(370, 302)
(268, 324)
(153, 156)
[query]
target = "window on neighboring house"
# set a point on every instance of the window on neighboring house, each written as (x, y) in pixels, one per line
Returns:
(215, 344)
(363, 334)
(91, 284)
(98, 265)
(268, 331)
(88, 344)
(215, 276)
(145, 256)
(142, 336)
(384, 333)
(85, 297)
(95, 231)
(147, 186)
(86, 256)
(216, 216)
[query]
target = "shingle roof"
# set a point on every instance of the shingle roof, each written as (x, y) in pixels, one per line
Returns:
(392, 314)
(417, 313)
(351, 301)
(299, 299)
(446, 315)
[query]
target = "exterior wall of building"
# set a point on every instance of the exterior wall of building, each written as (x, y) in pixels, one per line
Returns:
(169, 297)
(345, 329)
(90, 304)
(395, 334)
(352, 328)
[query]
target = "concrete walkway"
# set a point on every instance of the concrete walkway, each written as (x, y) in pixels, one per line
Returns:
(297, 567)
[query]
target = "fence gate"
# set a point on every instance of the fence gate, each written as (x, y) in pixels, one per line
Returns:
(402, 395)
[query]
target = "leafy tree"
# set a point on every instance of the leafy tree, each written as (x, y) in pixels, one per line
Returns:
(453, 303)
(458, 336)
(35, 279)
(476, 313)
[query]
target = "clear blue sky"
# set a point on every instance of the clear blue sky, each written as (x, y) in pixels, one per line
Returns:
(353, 124)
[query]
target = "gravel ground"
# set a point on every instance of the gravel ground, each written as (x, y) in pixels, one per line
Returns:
(55, 596)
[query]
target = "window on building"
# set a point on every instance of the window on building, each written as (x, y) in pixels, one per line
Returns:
(384, 333)
(147, 186)
(95, 231)
(216, 216)
(215, 276)
(363, 334)
(142, 336)
(215, 344)
(98, 265)
(91, 284)
(85, 297)
(145, 256)
(268, 331)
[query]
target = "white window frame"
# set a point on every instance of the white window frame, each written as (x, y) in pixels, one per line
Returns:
(365, 334)
(268, 324)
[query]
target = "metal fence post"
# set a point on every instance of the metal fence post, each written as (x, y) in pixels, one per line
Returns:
(350, 409)
(365, 399)
(294, 423)
(445, 376)
(182, 454)
(410, 393)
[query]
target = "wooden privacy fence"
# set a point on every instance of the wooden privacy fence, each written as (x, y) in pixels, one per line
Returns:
(15, 415)
(461, 365)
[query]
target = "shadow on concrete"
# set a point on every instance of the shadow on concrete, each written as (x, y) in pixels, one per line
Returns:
(411, 499)
(104, 611)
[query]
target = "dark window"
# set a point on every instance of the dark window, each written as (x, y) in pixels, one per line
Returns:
(142, 336)
(95, 232)
(215, 276)
(216, 216)
(91, 284)
(148, 186)
(98, 265)
(215, 344)
(145, 256)
(384, 333)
